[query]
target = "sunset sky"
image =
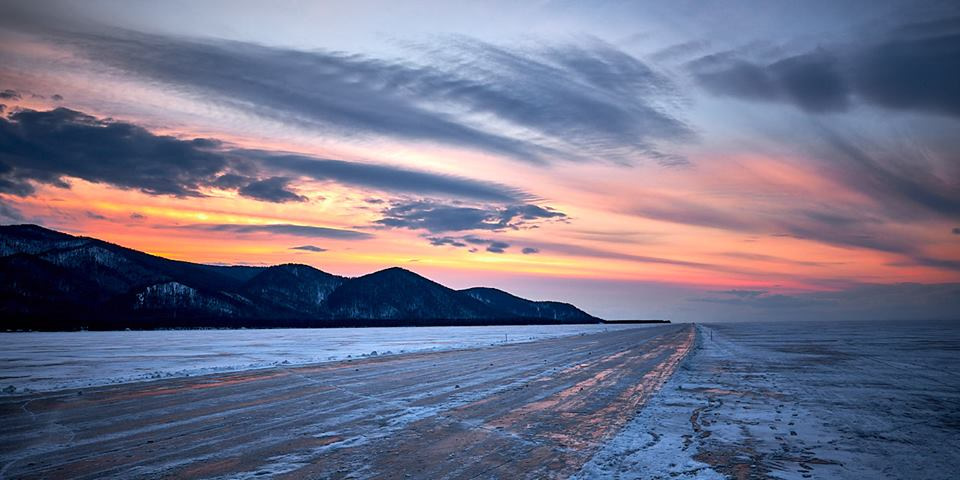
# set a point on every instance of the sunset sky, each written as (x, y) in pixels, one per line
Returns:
(680, 159)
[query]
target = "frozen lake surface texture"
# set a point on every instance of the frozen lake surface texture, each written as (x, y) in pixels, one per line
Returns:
(801, 400)
(514, 411)
(798, 400)
(44, 361)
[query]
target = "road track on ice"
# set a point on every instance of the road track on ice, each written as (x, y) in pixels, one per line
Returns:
(533, 410)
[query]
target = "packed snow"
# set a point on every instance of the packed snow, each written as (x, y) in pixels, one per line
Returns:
(801, 400)
(44, 361)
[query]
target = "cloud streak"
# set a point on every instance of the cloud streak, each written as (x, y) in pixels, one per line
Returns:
(828, 228)
(905, 190)
(308, 231)
(911, 67)
(309, 248)
(49, 147)
(439, 217)
(582, 102)
(388, 178)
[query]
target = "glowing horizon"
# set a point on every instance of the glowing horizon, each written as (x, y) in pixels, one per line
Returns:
(677, 174)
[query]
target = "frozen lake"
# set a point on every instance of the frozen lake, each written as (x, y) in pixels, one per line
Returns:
(797, 400)
(43, 361)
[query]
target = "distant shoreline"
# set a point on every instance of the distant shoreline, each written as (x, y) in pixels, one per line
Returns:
(246, 324)
(335, 324)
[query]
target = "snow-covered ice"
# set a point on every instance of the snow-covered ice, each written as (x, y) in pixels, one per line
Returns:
(801, 400)
(778, 400)
(44, 361)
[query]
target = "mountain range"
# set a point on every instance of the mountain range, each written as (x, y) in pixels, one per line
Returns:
(55, 281)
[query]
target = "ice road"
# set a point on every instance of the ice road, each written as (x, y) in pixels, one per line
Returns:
(533, 410)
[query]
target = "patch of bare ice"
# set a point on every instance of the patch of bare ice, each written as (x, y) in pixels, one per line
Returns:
(800, 400)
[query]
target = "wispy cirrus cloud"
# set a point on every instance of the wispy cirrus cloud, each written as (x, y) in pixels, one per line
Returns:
(822, 226)
(903, 182)
(588, 101)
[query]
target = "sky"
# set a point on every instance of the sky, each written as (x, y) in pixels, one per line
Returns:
(690, 160)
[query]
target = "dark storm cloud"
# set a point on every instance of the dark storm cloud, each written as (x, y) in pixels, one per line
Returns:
(10, 94)
(530, 250)
(309, 248)
(586, 102)
(56, 97)
(918, 67)
(914, 67)
(285, 229)
(956, 231)
(439, 217)
(811, 81)
(273, 189)
(45, 147)
(51, 146)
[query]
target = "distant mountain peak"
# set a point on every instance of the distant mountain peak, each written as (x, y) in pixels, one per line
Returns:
(33, 231)
(56, 281)
(395, 271)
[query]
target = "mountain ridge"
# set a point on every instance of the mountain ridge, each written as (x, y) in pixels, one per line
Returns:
(55, 281)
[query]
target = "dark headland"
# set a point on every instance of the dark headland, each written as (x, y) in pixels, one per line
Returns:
(55, 281)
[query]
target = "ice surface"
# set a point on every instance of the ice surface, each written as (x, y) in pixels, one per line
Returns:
(801, 400)
(43, 361)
